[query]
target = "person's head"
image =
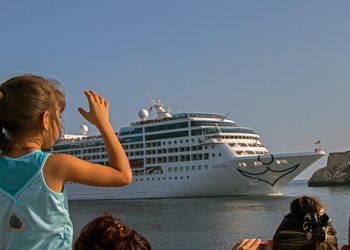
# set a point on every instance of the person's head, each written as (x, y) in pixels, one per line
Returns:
(30, 105)
(106, 232)
(306, 227)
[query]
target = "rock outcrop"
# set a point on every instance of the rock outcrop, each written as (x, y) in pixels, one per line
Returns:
(336, 173)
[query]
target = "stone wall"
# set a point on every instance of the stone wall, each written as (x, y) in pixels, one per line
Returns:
(336, 173)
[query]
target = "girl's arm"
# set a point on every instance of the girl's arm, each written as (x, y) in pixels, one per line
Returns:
(62, 167)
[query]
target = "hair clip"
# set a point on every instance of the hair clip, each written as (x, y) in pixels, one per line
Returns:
(119, 226)
(307, 226)
(6, 133)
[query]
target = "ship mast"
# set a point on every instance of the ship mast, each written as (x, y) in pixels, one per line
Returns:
(163, 112)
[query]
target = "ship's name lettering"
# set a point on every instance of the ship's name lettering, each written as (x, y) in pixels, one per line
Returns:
(219, 166)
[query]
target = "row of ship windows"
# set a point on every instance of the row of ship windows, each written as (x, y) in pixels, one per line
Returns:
(176, 158)
(167, 150)
(172, 169)
(164, 178)
(249, 152)
(154, 144)
(85, 151)
(86, 157)
(240, 144)
(174, 150)
(259, 163)
(130, 131)
(158, 143)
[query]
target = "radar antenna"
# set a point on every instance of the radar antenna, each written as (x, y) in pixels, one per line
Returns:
(163, 112)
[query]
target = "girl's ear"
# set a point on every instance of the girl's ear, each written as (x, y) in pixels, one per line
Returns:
(45, 120)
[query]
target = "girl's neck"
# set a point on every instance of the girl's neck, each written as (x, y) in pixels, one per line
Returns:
(20, 149)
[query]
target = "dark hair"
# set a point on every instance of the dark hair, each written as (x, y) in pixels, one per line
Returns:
(306, 227)
(23, 100)
(108, 233)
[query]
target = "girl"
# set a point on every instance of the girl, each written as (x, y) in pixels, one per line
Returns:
(307, 226)
(33, 203)
(108, 233)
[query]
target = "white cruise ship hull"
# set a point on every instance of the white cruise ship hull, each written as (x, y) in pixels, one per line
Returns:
(229, 176)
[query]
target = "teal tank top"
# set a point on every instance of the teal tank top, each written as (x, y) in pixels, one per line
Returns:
(32, 215)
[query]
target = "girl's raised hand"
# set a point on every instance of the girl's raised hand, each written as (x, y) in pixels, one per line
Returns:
(99, 109)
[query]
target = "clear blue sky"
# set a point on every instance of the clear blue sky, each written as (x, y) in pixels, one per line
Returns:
(281, 68)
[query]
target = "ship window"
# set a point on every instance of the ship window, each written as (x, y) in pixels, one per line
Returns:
(188, 177)
(187, 168)
(175, 142)
(181, 169)
(205, 147)
(206, 167)
(199, 167)
(258, 163)
(180, 141)
(175, 169)
(181, 177)
(206, 156)
(193, 167)
(242, 164)
(169, 178)
(175, 177)
(169, 142)
(213, 155)
(164, 178)
(219, 154)
(186, 141)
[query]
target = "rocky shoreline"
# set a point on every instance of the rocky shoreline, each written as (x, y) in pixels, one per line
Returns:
(336, 173)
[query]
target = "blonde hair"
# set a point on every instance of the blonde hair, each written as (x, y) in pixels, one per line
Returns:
(23, 100)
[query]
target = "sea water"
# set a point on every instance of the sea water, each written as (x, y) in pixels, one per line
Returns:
(212, 222)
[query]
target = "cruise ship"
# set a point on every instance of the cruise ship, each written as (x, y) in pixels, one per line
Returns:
(187, 155)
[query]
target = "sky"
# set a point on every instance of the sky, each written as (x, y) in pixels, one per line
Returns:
(281, 68)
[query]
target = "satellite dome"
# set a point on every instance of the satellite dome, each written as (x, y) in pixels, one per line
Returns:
(84, 129)
(143, 114)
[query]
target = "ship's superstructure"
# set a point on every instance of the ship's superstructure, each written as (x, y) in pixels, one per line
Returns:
(187, 155)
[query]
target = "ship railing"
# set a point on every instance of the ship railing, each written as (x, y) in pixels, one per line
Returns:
(209, 140)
